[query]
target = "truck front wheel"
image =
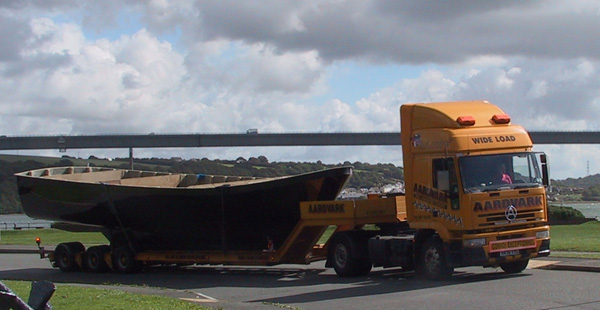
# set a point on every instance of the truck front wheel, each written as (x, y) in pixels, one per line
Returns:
(514, 267)
(433, 264)
(347, 262)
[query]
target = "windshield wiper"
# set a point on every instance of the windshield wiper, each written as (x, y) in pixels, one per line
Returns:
(497, 188)
(527, 185)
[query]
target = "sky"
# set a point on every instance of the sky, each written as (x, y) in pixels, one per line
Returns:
(76, 67)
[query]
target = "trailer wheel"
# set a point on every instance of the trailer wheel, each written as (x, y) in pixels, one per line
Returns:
(124, 261)
(65, 256)
(514, 267)
(93, 260)
(346, 259)
(433, 264)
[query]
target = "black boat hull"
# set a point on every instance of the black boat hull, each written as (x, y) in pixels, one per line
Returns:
(221, 218)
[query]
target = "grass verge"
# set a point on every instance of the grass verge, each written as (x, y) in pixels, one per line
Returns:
(50, 237)
(69, 297)
(576, 238)
(586, 255)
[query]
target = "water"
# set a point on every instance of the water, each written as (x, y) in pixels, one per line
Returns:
(589, 209)
(21, 221)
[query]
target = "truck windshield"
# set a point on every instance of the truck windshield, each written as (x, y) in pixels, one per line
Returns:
(499, 172)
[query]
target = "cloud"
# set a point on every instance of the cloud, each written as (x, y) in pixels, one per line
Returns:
(536, 91)
(257, 68)
(407, 31)
(567, 161)
(399, 31)
(100, 86)
(13, 36)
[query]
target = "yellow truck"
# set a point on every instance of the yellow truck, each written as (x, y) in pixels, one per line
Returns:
(474, 196)
(475, 188)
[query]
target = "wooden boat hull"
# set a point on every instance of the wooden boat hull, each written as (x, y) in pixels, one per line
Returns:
(218, 217)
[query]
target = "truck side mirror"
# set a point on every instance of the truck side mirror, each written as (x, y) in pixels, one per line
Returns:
(545, 175)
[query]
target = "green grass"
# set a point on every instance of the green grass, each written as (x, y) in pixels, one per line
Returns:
(576, 238)
(326, 235)
(586, 255)
(69, 297)
(49, 237)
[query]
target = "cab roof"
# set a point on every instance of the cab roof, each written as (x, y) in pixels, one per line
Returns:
(454, 114)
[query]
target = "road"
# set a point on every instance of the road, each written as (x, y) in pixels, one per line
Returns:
(314, 287)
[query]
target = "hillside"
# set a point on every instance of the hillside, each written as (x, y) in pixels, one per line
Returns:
(365, 174)
(585, 182)
(586, 188)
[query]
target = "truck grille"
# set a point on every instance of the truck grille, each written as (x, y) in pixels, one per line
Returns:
(499, 219)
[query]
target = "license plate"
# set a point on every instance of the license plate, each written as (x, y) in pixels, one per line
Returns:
(509, 253)
(512, 245)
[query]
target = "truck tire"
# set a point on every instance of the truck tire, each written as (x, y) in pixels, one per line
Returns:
(93, 259)
(433, 264)
(346, 258)
(65, 256)
(514, 267)
(123, 260)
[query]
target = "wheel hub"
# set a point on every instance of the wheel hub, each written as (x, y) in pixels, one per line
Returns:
(432, 260)
(341, 256)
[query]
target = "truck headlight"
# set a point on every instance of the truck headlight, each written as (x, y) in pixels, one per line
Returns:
(474, 243)
(542, 234)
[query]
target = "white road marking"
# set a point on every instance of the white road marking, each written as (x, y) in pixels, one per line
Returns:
(200, 298)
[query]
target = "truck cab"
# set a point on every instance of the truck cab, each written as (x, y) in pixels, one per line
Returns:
(475, 190)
